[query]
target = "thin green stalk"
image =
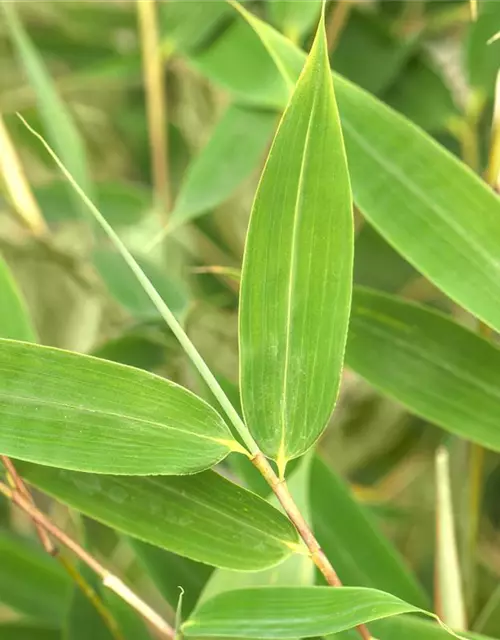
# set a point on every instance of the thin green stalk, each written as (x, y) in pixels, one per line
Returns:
(278, 485)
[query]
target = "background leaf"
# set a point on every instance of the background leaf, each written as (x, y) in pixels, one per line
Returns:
(30, 581)
(14, 320)
(435, 367)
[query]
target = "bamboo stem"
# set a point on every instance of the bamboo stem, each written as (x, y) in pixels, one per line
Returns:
(317, 555)
(109, 580)
(156, 101)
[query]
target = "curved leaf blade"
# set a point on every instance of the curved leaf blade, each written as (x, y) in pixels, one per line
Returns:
(427, 204)
(287, 612)
(427, 362)
(297, 270)
(203, 516)
(77, 412)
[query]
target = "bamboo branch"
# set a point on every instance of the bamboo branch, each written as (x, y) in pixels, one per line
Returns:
(109, 580)
(156, 102)
(336, 22)
(317, 555)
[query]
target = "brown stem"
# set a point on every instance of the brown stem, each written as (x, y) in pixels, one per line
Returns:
(20, 487)
(108, 579)
(18, 484)
(319, 558)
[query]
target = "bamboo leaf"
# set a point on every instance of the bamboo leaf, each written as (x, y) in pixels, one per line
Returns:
(426, 212)
(57, 120)
(17, 631)
(296, 277)
(360, 553)
(31, 582)
(232, 153)
(427, 362)
(287, 612)
(77, 412)
(203, 516)
(14, 320)
(295, 19)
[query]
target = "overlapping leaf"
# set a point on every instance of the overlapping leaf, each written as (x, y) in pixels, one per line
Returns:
(296, 278)
(203, 516)
(76, 412)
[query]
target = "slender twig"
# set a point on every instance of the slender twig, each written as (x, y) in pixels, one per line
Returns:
(156, 101)
(109, 580)
(20, 487)
(337, 21)
(17, 185)
(252, 448)
(317, 555)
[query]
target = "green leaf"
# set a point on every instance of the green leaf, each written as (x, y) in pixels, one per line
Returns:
(482, 58)
(368, 54)
(287, 612)
(58, 122)
(427, 362)
(203, 517)
(122, 204)
(361, 555)
(411, 628)
(77, 412)
(421, 94)
(17, 631)
(130, 623)
(234, 150)
(296, 276)
(420, 202)
(31, 582)
(170, 571)
(83, 621)
(116, 275)
(14, 320)
(294, 18)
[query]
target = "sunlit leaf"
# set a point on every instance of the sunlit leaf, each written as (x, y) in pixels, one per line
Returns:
(296, 277)
(19, 631)
(203, 517)
(63, 409)
(286, 612)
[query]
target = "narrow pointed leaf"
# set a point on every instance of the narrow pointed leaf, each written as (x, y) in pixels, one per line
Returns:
(436, 212)
(296, 278)
(203, 516)
(235, 149)
(31, 582)
(288, 612)
(14, 320)
(432, 365)
(58, 122)
(77, 412)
